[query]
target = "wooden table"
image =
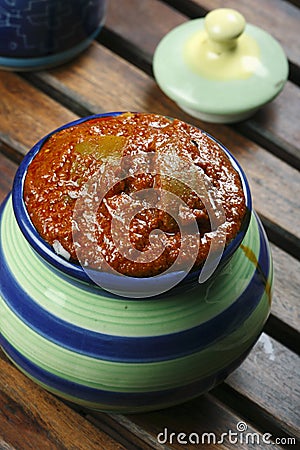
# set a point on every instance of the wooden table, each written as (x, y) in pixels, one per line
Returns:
(115, 74)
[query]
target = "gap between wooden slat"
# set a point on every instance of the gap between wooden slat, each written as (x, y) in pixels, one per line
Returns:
(250, 411)
(68, 101)
(294, 2)
(294, 73)
(14, 153)
(194, 11)
(266, 139)
(126, 49)
(187, 7)
(121, 428)
(143, 61)
(283, 333)
(281, 237)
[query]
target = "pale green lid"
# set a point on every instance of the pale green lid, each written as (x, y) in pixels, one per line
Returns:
(220, 69)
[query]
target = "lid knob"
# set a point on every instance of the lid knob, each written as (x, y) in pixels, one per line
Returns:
(220, 68)
(224, 26)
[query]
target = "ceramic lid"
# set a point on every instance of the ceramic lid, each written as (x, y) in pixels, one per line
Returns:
(219, 68)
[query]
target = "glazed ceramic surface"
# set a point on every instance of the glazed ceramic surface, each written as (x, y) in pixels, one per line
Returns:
(214, 88)
(39, 34)
(126, 286)
(124, 354)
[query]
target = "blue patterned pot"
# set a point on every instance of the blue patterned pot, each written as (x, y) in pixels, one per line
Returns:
(39, 34)
(124, 354)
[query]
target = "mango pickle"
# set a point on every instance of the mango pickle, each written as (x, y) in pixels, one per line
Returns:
(102, 147)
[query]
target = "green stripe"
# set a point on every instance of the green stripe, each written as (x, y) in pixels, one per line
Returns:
(129, 377)
(97, 405)
(124, 317)
(102, 406)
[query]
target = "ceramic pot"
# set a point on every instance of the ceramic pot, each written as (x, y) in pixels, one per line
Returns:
(125, 354)
(40, 34)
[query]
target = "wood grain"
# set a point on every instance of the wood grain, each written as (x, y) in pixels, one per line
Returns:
(26, 113)
(276, 124)
(266, 19)
(278, 117)
(7, 170)
(194, 418)
(33, 419)
(115, 74)
(286, 297)
(146, 22)
(273, 183)
(269, 378)
(262, 381)
(150, 20)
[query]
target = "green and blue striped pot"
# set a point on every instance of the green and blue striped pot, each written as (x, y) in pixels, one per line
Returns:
(124, 354)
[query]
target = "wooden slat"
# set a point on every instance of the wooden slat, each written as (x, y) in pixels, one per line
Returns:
(276, 125)
(272, 23)
(33, 419)
(263, 392)
(126, 430)
(149, 21)
(266, 384)
(273, 194)
(278, 117)
(26, 114)
(146, 22)
(7, 171)
(285, 305)
(269, 378)
(195, 419)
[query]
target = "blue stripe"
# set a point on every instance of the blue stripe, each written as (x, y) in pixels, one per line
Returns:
(136, 349)
(121, 399)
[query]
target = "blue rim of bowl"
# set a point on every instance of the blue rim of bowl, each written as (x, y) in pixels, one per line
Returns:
(46, 251)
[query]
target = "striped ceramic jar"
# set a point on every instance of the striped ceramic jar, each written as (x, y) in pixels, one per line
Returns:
(118, 353)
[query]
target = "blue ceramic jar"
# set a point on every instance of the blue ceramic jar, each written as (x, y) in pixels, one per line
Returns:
(39, 34)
